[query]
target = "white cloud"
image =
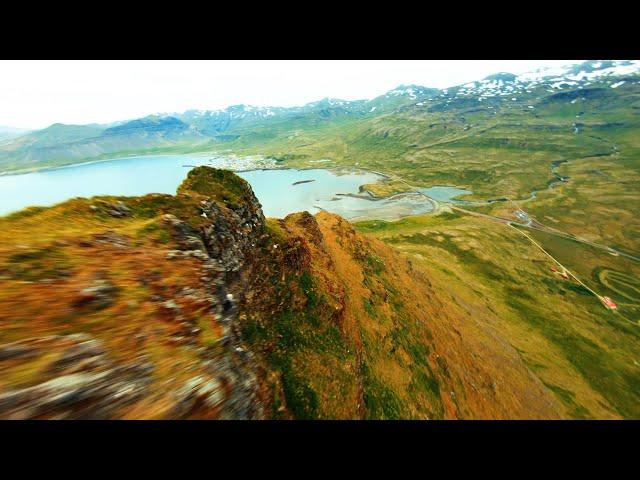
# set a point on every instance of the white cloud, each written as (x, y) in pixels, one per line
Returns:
(36, 94)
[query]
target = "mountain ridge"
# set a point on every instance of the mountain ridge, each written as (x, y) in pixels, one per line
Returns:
(209, 128)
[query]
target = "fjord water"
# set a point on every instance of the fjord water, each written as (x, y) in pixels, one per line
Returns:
(126, 176)
(328, 191)
(162, 174)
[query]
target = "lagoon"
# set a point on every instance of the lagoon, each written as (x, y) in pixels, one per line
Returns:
(321, 189)
(445, 194)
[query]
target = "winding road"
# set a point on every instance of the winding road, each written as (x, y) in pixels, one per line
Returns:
(531, 223)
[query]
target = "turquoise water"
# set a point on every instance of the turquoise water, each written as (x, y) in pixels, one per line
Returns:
(128, 176)
(162, 174)
(328, 191)
(445, 194)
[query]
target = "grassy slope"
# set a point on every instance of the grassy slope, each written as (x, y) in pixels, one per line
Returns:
(584, 353)
(45, 266)
(350, 329)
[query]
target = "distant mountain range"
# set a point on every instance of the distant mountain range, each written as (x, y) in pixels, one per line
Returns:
(204, 130)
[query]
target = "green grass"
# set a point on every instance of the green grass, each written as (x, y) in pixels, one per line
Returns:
(215, 183)
(292, 338)
(381, 402)
(155, 232)
(489, 264)
(301, 398)
(39, 264)
(617, 382)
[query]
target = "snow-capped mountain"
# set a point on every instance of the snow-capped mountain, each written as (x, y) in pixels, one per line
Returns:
(570, 76)
(592, 86)
(503, 85)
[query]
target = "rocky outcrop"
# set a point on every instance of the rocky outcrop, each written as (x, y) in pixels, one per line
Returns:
(225, 241)
(100, 294)
(232, 217)
(215, 224)
(82, 381)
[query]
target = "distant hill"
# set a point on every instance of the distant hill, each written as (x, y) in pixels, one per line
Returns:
(502, 76)
(152, 125)
(242, 127)
(11, 132)
(66, 144)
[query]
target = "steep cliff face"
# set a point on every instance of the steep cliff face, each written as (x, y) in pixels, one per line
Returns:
(349, 328)
(195, 306)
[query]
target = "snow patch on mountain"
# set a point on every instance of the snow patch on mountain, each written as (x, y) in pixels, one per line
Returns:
(551, 79)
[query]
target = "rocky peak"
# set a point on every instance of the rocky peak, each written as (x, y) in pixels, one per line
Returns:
(186, 309)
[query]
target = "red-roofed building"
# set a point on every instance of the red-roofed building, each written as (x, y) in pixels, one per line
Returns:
(609, 303)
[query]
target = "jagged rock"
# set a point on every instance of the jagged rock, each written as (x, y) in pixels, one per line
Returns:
(87, 382)
(99, 295)
(199, 391)
(180, 229)
(111, 237)
(17, 350)
(194, 243)
(86, 243)
(87, 349)
(309, 223)
(116, 209)
(171, 254)
(96, 395)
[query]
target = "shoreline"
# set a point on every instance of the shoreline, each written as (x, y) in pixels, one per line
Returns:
(90, 162)
(259, 166)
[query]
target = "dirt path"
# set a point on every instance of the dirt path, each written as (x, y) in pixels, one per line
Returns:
(564, 269)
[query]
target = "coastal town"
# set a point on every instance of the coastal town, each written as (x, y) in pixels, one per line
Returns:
(241, 164)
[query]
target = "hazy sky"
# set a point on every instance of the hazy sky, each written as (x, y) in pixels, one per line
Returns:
(35, 94)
